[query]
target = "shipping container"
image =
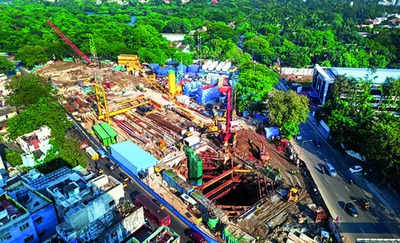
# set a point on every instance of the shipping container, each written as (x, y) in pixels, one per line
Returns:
(102, 135)
(92, 153)
(152, 210)
(110, 131)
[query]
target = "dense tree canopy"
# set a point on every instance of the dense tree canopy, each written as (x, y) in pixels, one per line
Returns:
(5, 65)
(299, 33)
(255, 81)
(366, 124)
(27, 90)
(287, 111)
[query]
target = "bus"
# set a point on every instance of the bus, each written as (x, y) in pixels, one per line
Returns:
(153, 211)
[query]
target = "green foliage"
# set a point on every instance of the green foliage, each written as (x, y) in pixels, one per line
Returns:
(371, 131)
(5, 65)
(45, 112)
(185, 58)
(255, 81)
(72, 154)
(32, 54)
(28, 89)
(13, 157)
(287, 111)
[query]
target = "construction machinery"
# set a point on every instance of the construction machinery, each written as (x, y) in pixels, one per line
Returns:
(69, 42)
(225, 88)
(131, 62)
(293, 194)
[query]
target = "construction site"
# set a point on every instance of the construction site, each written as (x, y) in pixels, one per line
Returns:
(213, 166)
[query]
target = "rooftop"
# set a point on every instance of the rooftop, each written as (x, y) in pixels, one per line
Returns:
(9, 209)
(29, 199)
(134, 154)
(378, 76)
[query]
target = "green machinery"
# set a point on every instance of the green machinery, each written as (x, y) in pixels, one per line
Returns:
(195, 167)
(105, 133)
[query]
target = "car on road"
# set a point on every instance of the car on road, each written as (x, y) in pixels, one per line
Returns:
(124, 177)
(331, 169)
(364, 203)
(195, 236)
(351, 209)
(356, 169)
(110, 166)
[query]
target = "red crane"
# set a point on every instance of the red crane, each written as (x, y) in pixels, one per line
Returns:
(224, 88)
(72, 45)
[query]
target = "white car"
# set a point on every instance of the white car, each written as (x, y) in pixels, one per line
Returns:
(356, 169)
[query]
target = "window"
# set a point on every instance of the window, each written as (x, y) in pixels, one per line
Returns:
(24, 226)
(111, 203)
(114, 234)
(39, 220)
(28, 239)
(5, 237)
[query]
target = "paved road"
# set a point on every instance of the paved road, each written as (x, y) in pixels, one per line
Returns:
(379, 222)
(336, 191)
(176, 224)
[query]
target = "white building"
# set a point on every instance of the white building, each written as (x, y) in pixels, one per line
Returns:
(35, 145)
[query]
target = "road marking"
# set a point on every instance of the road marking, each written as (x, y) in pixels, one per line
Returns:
(347, 188)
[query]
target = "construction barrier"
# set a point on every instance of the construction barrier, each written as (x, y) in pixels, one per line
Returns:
(141, 183)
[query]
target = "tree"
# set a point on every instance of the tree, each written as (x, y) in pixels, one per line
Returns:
(45, 112)
(32, 55)
(28, 89)
(5, 65)
(13, 157)
(287, 110)
(255, 81)
(72, 154)
(185, 58)
(365, 125)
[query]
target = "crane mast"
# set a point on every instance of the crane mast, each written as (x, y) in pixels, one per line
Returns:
(69, 42)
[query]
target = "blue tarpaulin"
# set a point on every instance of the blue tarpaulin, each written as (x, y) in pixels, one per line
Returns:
(271, 132)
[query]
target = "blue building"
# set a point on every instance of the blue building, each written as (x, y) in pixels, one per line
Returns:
(324, 77)
(134, 158)
(26, 215)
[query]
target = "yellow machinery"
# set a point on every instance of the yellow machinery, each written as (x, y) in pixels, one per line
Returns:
(151, 80)
(131, 62)
(102, 106)
(172, 84)
(294, 194)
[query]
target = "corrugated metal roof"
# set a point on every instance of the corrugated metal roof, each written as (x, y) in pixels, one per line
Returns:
(134, 154)
(378, 76)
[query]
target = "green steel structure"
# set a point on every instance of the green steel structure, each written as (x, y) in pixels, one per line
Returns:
(195, 167)
(110, 131)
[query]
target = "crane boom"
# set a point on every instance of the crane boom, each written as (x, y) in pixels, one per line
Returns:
(69, 42)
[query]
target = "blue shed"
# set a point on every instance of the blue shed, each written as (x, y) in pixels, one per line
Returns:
(271, 132)
(135, 159)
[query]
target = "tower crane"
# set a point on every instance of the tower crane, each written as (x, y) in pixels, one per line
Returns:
(69, 42)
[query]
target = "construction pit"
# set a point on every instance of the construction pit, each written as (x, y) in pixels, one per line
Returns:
(246, 186)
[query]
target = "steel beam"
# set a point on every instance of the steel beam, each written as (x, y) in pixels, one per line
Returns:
(219, 177)
(221, 187)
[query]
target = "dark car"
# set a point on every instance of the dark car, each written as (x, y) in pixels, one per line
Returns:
(195, 236)
(364, 203)
(124, 177)
(110, 166)
(351, 209)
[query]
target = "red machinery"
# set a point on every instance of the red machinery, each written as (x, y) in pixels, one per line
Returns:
(72, 45)
(225, 88)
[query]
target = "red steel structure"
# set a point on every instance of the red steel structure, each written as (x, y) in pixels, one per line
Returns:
(72, 45)
(224, 88)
